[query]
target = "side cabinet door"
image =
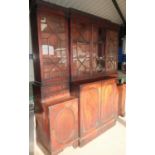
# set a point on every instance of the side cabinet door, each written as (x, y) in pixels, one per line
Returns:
(63, 119)
(108, 110)
(121, 100)
(90, 96)
(116, 98)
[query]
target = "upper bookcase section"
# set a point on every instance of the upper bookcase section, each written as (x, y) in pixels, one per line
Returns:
(71, 45)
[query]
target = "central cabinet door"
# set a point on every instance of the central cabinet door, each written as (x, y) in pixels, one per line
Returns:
(108, 101)
(81, 35)
(90, 98)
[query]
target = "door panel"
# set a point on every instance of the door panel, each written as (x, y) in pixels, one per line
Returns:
(63, 119)
(89, 107)
(116, 98)
(107, 103)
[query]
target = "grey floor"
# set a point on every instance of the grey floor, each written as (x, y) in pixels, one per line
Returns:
(31, 131)
(112, 142)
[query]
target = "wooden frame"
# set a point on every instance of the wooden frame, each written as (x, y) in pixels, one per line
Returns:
(67, 97)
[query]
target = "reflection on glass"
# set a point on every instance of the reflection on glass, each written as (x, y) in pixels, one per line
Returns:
(51, 50)
(45, 49)
(43, 23)
(100, 64)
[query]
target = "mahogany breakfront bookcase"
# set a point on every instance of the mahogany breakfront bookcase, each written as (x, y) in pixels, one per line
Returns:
(75, 65)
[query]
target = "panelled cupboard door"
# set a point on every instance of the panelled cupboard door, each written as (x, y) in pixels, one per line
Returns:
(116, 98)
(108, 101)
(90, 98)
(121, 100)
(63, 120)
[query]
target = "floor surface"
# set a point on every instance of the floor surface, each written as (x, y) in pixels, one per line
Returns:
(112, 142)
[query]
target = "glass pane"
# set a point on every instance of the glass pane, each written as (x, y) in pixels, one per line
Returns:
(112, 46)
(81, 32)
(98, 60)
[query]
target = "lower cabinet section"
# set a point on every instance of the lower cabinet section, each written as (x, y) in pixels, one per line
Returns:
(77, 120)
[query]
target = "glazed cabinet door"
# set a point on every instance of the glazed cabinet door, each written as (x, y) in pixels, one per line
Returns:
(63, 118)
(111, 50)
(53, 47)
(108, 108)
(90, 98)
(98, 50)
(81, 35)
